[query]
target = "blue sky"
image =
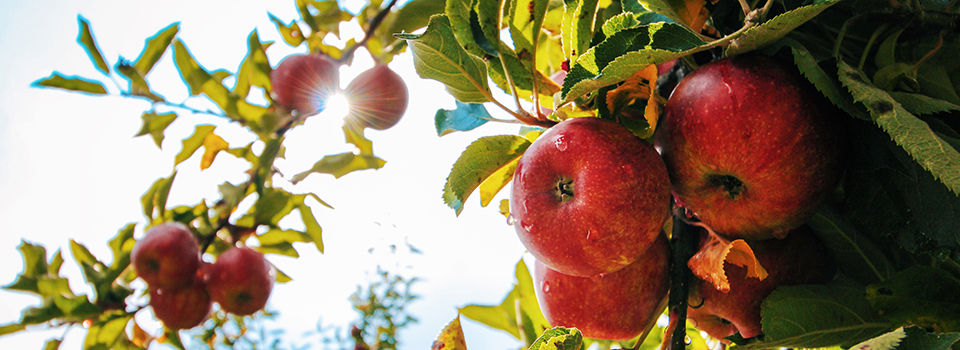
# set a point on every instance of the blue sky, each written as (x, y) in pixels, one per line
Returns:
(71, 168)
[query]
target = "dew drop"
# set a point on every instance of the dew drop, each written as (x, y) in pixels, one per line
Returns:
(561, 143)
(546, 287)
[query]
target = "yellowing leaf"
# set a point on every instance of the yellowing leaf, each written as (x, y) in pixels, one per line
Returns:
(496, 181)
(451, 337)
(505, 208)
(212, 144)
(707, 264)
(484, 158)
(640, 86)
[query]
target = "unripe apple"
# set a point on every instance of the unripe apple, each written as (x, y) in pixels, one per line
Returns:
(751, 146)
(617, 306)
(167, 256)
(240, 281)
(181, 308)
(797, 259)
(377, 97)
(304, 82)
(588, 197)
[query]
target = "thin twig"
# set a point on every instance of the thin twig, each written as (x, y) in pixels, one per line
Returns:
(374, 23)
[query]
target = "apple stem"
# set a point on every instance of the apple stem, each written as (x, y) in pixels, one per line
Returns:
(683, 244)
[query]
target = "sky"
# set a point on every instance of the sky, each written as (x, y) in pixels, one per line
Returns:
(70, 168)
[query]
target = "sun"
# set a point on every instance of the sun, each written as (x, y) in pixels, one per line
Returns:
(337, 105)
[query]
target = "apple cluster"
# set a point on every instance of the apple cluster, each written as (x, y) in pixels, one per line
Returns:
(745, 144)
(182, 287)
(302, 84)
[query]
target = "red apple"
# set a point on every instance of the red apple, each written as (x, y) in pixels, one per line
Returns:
(167, 256)
(617, 306)
(181, 308)
(303, 82)
(240, 281)
(750, 146)
(377, 97)
(588, 197)
(797, 259)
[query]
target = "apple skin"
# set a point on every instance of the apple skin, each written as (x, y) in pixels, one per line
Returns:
(797, 259)
(588, 197)
(750, 146)
(616, 306)
(240, 281)
(303, 82)
(167, 256)
(378, 98)
(181, 308)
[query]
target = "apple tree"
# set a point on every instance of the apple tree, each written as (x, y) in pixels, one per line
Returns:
(810, 198)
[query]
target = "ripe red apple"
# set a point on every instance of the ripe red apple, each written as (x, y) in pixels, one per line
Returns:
(240, 281)
(617, 306)
(181, 308)
(303, 82)
(167, 256)
(750, 146)
(377, 97)
(588, 197)
(797, 259)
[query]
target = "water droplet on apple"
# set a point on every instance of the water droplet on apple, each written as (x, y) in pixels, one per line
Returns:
(546, 287)
(561, 143)
(510, 219)
(526, 226)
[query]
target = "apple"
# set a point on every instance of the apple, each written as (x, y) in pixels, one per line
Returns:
(751, 146)
(181, 308)
(616, 306)
(588, 197)
(167, 256)
(797, 259)
(303, 82)
(377, 97)
(240, 281)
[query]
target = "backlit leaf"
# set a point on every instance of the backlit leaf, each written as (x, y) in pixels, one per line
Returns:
(193, 143)
(212, 144)
(437, 56)
(451, 337)
(354, 135)
(86, 39)
(911, 133)
(482, 159)
(920, 295)
(467, 116)
(812, 316)
(154, 47)
(313, 229)
(577, 26)
(11, 328)
(154, 124)
(341, 164)
(496, 181)
(155, 199)
(255, 68)
(525, 19)
(886, 341)
(636, 90)
(291, 33)
(708, 263)
(412, 16)
(105, 334)
(459, 13)
(769, 31)
(72, 83)
(138, 85)
(558, 338)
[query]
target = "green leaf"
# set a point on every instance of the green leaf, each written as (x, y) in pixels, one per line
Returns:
(53, 268)
(279, 248)
(89, 43)
(232, 195)
(154, 124)
(84, 258)
(919, 339)
(34, 267)
(156, 197)
(920, 104)
(312, 228)
(121, 245)
(72, 83)
(886, 51)
(138, 85)
(437, 56)
(525, 20)
(911, 133)
(467, 116)
(104, 334)
(459, 15)
(354, 136)
(272, 206)
(291, 33)
(526, 293)
(52, 344)
(281, 276)
(621, 55)
(826, 84)
(502, 317)
(920, 295)
(769, 31)
(275, 236)
(412, 16)
(482, 158)
(886, 341)
(813, 316)
(255, 68)
(934, 80)
(341, 164)
(193, 143)
(857, 256)
(559, 338)
(576, 29)
(11, 328)
(154, 47)
(451, 337)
